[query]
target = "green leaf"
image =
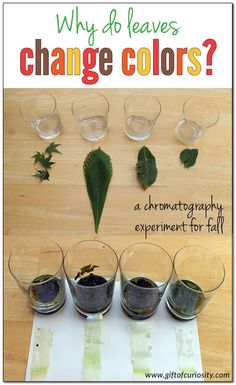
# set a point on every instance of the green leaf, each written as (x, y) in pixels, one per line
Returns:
(188, 157)
(46, 162)
(97, 173)
(146, 168)
(85, 269)
(52, 148)
(37, 157)
(42, 175)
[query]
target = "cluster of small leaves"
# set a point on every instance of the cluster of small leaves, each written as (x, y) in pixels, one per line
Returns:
(188, 157)
(44, 160)
(85, 269)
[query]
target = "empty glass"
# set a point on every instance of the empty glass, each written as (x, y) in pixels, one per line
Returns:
(197, 274)
(36, 265)
(198, 114)
(40, 110)
(141, 114)
(91, 113)
(90, 268)
(145, 270)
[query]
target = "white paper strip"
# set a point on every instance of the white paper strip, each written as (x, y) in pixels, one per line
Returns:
(187, 359)
(141, 348)
(92, 349)
(43, 340)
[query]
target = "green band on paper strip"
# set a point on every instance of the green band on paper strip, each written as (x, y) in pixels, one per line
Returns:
(43, 340)
(141, 348)
(92, 349)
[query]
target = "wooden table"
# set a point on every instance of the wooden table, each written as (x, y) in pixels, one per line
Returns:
(60, 209)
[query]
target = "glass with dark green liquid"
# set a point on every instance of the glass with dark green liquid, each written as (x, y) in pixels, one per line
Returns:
(47, 293)
(185, 299)
(140, 297)
(197, 274)
(90, 268)
(36, 265)
(145, 270)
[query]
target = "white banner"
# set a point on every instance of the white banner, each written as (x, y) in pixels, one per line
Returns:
(117, 45)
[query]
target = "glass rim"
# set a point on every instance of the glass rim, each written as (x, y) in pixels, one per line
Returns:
(203, 248)
(201, 98)
(145, 95)
(36, 283)
(24, 98)
(153, 244)
(87, 94)
(99, 242)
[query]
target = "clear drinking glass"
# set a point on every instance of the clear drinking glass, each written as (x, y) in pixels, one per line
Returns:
(36, 265)
(141, 114)
(197, 274)
(145, 270)
(91, 113)
(198, 114)
(90, 268)
(40, 110)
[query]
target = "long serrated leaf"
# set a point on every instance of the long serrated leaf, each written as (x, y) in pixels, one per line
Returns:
(188, 157)
(97, 173)
(146, 167)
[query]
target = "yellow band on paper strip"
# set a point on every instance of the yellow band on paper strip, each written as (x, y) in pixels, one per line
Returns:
(43, 341)
(141, 348)
(92, 349)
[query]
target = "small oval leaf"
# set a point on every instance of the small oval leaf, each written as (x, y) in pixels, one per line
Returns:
(146, 167)
(188, 157)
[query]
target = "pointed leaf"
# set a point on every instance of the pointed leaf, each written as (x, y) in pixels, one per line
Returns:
(37, 157)
(188, 157)
(42, 175)
(146, 168)
(52, 148)
(97, 173)
(46, 162)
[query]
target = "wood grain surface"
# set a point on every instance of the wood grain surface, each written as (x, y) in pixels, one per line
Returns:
(60, 208)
